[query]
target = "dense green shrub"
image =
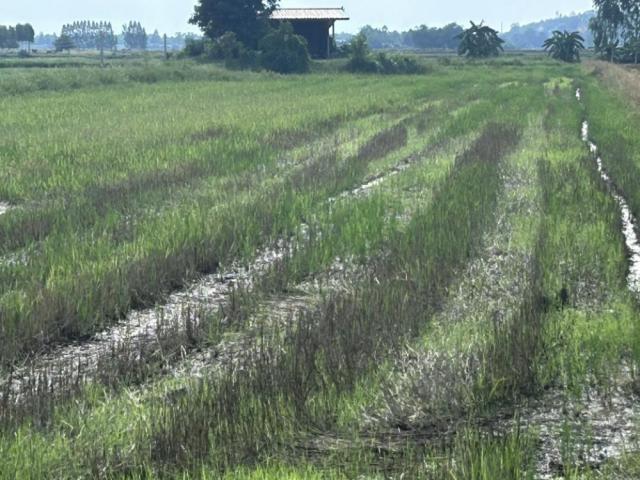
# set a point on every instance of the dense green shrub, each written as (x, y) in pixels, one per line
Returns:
(225, 48)
(283, 51)
(398, 64)
(361, 61)
(194, 47)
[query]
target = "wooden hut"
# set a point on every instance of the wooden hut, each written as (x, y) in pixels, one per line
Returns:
(317, 25)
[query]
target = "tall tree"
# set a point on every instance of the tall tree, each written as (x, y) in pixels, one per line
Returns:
(565, 46)
(248, 19)
(606, 26)
(135, 36)
(631, 27)
(480, 41)
(8, 37)
(64, 42)
(25, 33)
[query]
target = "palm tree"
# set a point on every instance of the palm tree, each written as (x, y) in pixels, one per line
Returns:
(480, 41)
(565, 46)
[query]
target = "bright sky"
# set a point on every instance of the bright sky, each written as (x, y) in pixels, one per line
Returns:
(172, 15)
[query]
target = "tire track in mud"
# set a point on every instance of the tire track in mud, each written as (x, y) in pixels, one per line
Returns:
(277, 310)
(78, 362)
(338, 278)
(600, 426)
(273, 314)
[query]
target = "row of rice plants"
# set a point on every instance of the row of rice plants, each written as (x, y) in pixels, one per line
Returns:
(70, 265)
(472, 171)
(338, 228)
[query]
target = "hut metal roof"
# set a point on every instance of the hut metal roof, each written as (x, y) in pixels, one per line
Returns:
(309, 14)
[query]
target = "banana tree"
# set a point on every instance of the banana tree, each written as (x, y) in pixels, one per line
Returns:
(479, 41)
(565, 46)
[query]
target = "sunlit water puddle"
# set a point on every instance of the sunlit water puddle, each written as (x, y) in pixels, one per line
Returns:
(629, 222)
(4, 208)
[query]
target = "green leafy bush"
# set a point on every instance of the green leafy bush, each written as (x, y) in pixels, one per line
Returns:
(362, 61)
(398, 65)
(283, 51)
(194, 47)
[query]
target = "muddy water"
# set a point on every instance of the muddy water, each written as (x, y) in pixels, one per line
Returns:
(376, 181)
(580, 432)
(600, 427)
(80, 361)
(629, 222)
(140, 328)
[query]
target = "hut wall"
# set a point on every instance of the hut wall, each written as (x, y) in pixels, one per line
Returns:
(316, 33)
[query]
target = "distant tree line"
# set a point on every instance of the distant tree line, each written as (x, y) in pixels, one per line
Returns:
(616, 29)
(530, 36)
(134, 36)
(90, 35)
(422, 37)
(155, 41)
(12, 36)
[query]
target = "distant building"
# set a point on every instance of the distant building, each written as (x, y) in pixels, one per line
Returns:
(317, 25)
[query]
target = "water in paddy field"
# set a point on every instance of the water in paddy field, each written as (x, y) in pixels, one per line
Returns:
(603, 427)
(79, 361)
(629, 222)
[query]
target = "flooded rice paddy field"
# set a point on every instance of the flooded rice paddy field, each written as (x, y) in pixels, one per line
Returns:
(430, 276)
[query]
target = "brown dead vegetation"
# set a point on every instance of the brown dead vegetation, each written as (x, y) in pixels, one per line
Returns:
(624, 79)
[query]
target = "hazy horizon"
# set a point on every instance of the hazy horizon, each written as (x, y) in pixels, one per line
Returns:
(172, 16)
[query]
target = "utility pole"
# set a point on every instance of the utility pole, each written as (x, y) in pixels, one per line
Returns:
(166, 54)
(102, 49)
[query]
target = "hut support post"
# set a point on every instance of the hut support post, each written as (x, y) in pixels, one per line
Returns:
(333, 31)
(329, 42)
